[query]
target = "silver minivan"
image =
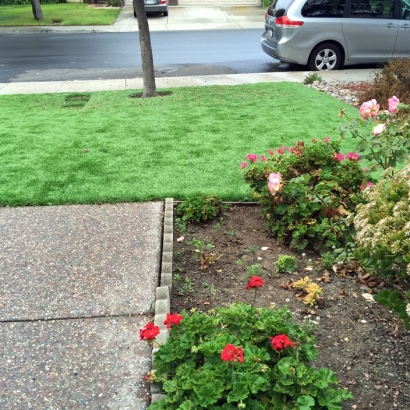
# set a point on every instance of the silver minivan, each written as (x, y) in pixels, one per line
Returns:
(327, 34)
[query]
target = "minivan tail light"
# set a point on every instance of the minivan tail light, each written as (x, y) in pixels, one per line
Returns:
(283, 21)
(266, 15)
(163, 2)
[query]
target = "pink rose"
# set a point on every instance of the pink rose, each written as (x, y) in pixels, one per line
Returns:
(327, 139)
(338, 156)
(244, 164)
(252, 157)
(393, 101)
(263, 158)
(274, 182)
(271, 152)
(378, 129)
(369, 109)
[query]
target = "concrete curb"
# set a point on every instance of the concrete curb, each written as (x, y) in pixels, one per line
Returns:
(163, 292)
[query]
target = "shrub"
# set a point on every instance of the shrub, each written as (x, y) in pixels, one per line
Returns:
(383, 225)
(394, 79)
(200, 208)
(307, 193)
(242, 357)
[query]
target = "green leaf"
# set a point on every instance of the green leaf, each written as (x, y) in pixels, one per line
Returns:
(210, 393)
(285, 365)
(331, 398)
(406, 323)
(238, 393)
(324, 378)
(308, 351)
(186, 405)
(305, 402)
(257, 383)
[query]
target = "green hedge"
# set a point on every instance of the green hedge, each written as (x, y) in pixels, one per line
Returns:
(22, 2)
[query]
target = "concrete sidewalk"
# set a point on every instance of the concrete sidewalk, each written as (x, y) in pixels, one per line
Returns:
(178, 19)
(77, 283)
(171, 82)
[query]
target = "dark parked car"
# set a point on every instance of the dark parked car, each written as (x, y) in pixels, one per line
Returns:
(327, 34)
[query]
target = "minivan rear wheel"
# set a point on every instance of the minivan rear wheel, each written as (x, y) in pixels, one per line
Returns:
(325, 57)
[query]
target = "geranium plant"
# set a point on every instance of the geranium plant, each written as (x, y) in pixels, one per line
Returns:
(307, 192)
(388, 144)
(242, 357)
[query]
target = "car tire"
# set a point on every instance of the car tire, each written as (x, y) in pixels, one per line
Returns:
(165, 14)
(325, 57)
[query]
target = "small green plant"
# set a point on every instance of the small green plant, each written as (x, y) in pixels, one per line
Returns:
(181, 225)
(285, 264)
(239, 262)
(205, 284)
(177, 255)
(328, 260)
(252, 249)
(200, 246)
(217, 226)
(310, 325)
(254, 270)
(200, 208)
(187, 286)
(311, 78)
(212, 290)
(176, 277)
(394, 301)
(230, 233)
(241, 357)
(313, 292)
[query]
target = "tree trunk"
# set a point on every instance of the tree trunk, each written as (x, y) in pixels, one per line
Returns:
(148, 76)
(37, 12)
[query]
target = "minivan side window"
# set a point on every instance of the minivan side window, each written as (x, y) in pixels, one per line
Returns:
(372, 9)
(323, 8)
(405, 9)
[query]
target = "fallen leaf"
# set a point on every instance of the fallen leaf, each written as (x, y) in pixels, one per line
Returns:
(206, 303)
(366, 376)
(377, 387)
(342, 293)
(308, 269)
(354, 406)
(354, 295)
(325, 278)
(371, 284)
(368, 297)
(219, 270)
(365, 276)
(329, 316)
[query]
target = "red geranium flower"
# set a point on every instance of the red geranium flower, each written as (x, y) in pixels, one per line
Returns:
(174, 319)
(149, 332)
(232, 353)
(255, 282)
(280, 342)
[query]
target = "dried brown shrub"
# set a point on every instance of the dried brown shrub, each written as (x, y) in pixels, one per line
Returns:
(394, 79)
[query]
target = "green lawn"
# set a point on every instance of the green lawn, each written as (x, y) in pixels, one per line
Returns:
(117, 148)
(71, 14)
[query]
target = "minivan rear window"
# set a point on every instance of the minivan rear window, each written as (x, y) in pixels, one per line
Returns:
(323, 8)
(279, 7)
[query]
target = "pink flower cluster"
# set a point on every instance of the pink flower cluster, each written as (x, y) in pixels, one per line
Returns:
(352, 156)
(369, 109)
(368, 184)
(252, 158)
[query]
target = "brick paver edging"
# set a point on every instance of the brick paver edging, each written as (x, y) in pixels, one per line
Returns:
(164, 291)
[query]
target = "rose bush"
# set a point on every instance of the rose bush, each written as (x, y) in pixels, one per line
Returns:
(389, 142)
(307, 192)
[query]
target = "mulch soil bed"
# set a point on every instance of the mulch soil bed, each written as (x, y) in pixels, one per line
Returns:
(362, 342)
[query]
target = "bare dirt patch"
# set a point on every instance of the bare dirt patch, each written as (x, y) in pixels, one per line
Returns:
(364, 344)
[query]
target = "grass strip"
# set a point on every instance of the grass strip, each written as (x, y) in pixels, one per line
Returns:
(70, 14)
(116, 148)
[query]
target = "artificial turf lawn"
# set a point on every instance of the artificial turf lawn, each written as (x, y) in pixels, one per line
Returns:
(71, 14)
(117, 148)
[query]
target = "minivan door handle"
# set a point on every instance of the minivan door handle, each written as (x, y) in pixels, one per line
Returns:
(390, 25)
(405, 26)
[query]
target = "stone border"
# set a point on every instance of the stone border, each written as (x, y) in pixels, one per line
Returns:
(164, 291)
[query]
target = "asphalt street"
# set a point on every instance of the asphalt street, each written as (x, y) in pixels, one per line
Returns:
(88, 56)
